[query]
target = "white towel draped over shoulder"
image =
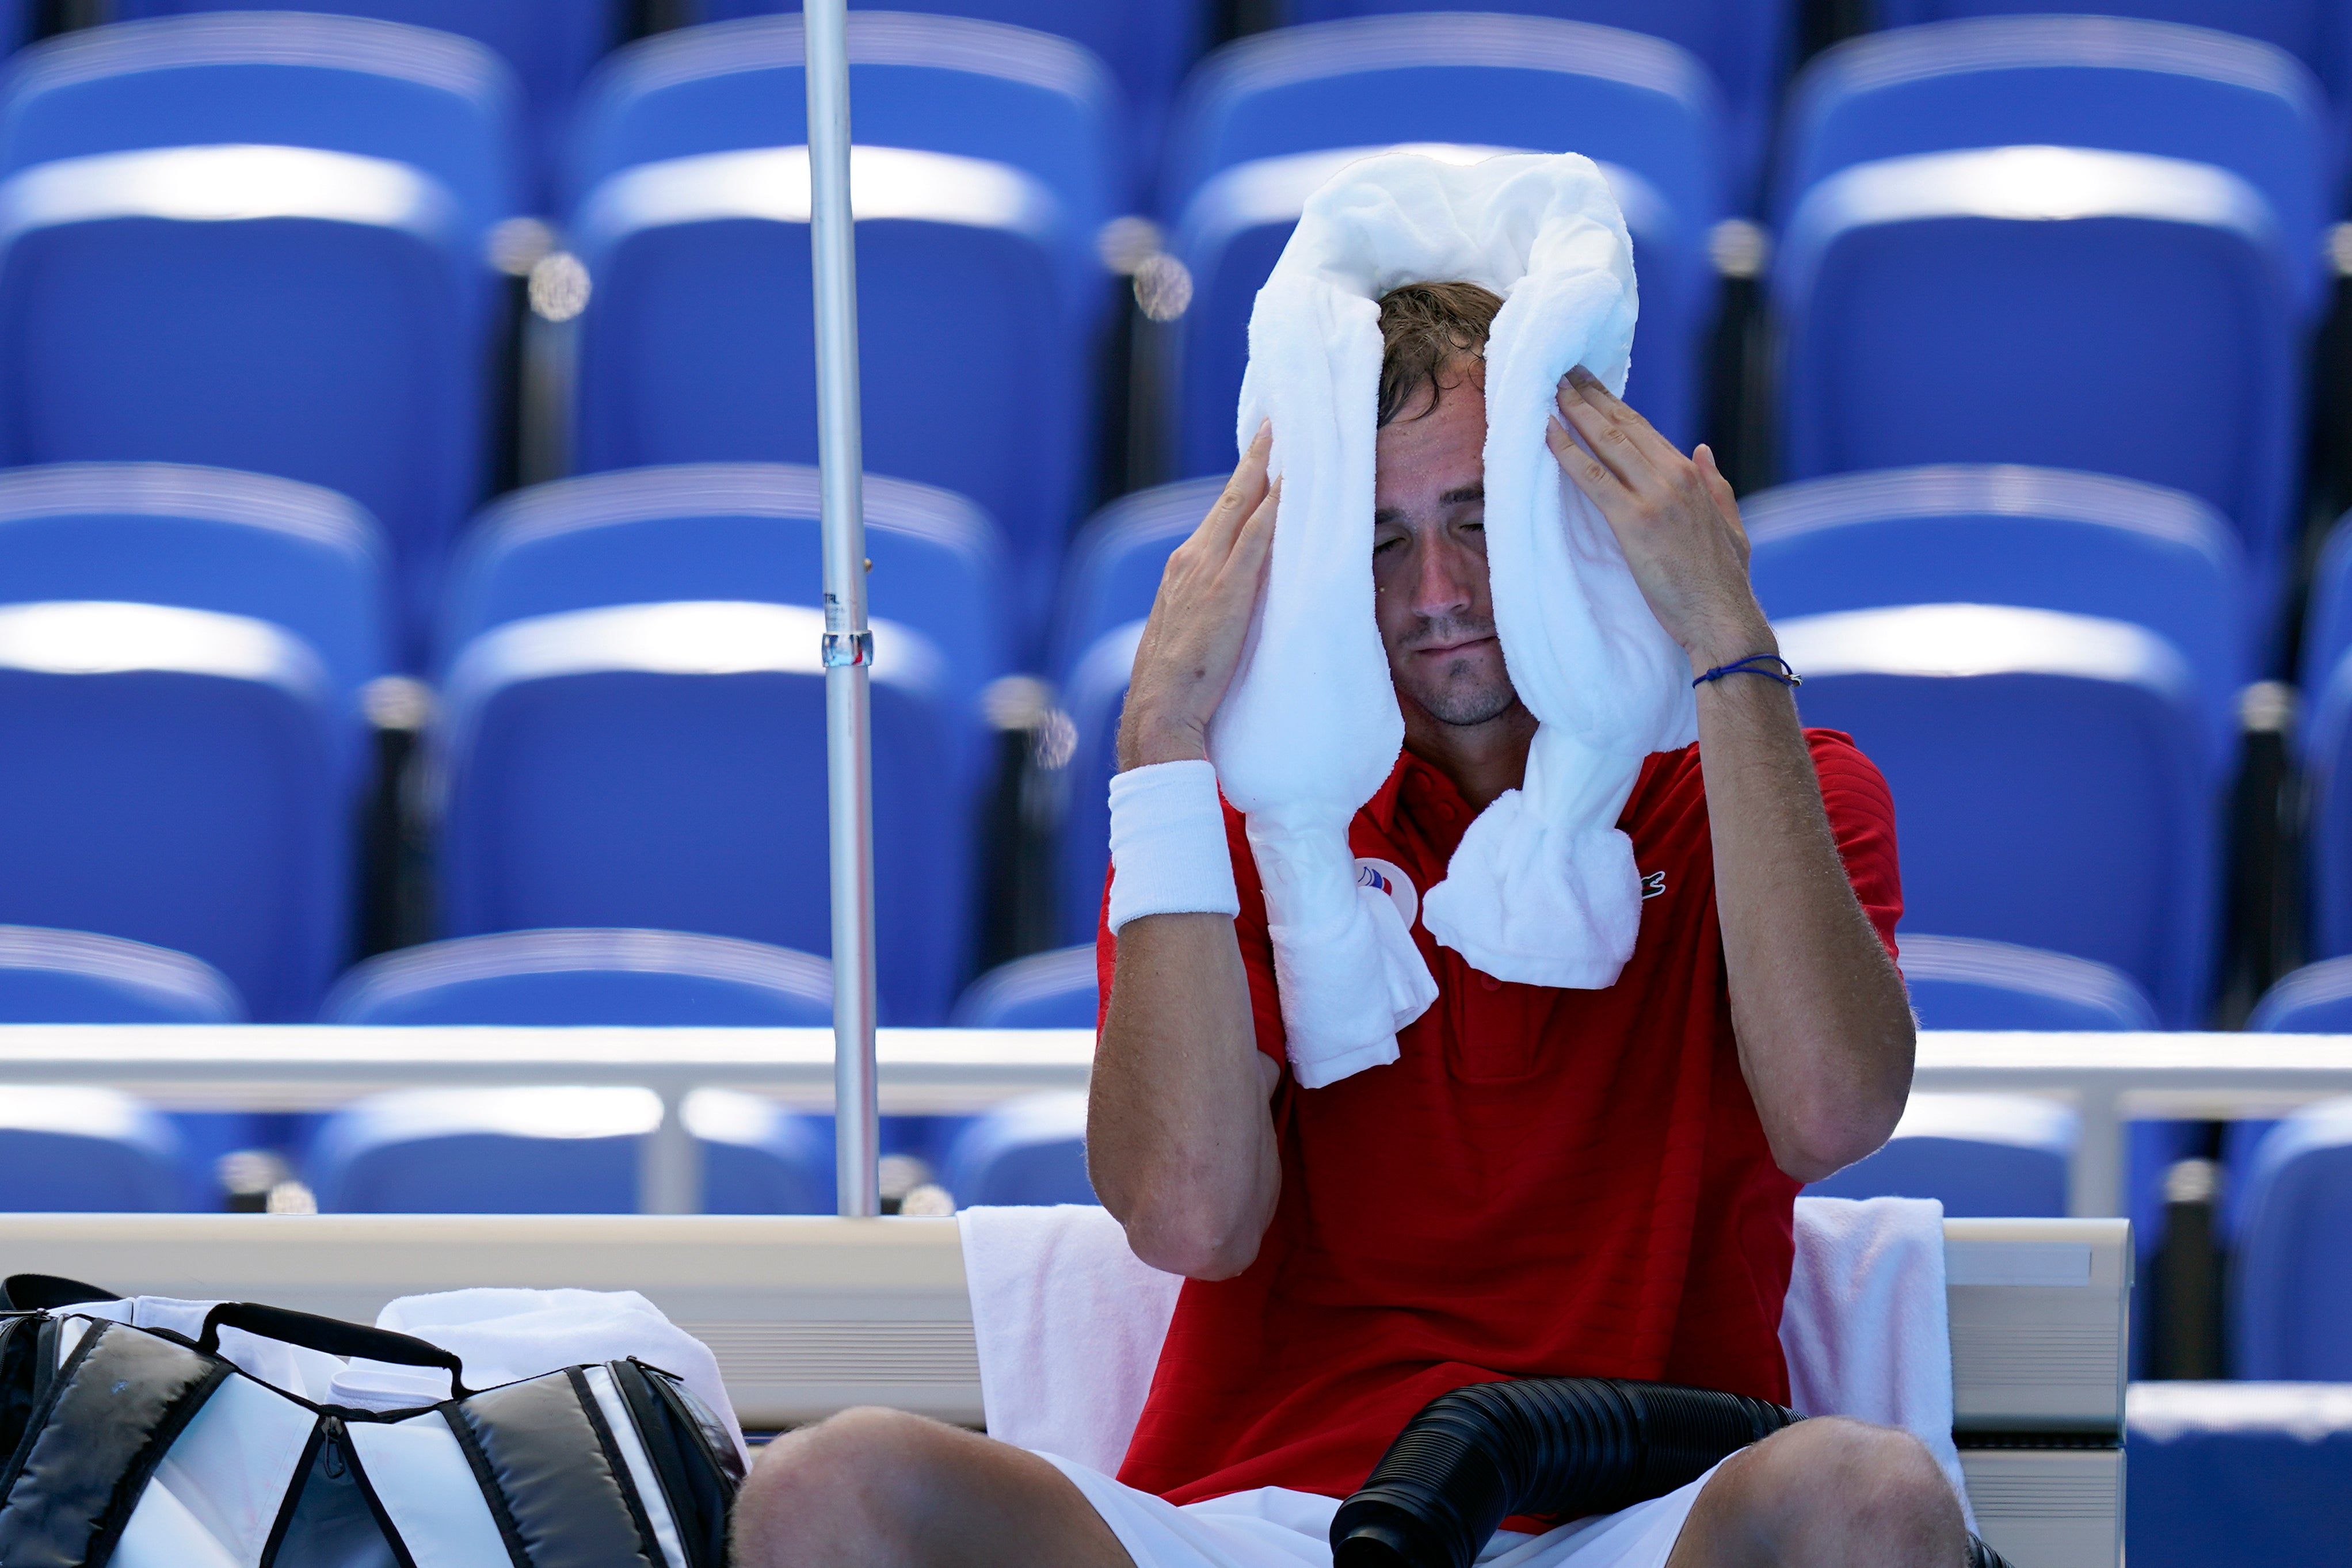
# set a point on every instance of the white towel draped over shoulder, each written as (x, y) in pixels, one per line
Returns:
(1543, 888)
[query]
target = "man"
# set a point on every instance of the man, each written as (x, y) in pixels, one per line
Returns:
(1546, 1182)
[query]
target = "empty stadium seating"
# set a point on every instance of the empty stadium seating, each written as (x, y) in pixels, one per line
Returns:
(2236, 1472)
(2056, 782)
(1054, 989)
(1112, 571)
(1959, 982)
(300, 557)
(84, 1151)
(984, 168)
(650, 980)
(258, 241)
(550, 45)
(745, 531)
(78, 976)
(1267, 120)
(662, 766)
(1092, 692)
(1979, 294)
(182, 765)
(2086, 544)
(1147, 44)
(2291, 1267)
(1030, 1150)
(2313, 1000)
(1983, 1155)
(558, 1150)
(1745, 44)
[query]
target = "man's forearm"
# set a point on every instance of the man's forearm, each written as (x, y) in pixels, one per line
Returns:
(1824, 1029)
(1180, 1144)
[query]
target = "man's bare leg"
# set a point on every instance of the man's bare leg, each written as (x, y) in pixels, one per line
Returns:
(1825, 1493)
(881, 1489)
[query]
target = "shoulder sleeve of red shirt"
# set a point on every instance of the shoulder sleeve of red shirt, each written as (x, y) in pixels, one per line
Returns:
(1249, 930)
(1862, 819)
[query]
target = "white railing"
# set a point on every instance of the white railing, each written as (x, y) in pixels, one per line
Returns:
(2108, 1078)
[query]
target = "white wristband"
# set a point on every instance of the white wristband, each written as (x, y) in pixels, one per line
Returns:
(1169, 853)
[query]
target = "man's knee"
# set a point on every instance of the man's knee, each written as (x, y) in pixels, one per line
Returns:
(857, 1476)
(1870, 1478)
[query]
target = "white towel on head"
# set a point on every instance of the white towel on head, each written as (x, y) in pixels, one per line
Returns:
(1542, 889)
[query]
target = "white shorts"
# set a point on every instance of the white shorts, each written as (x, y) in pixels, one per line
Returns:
(1275, 1528)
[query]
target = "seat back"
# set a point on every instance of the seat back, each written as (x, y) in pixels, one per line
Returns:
(182, 765)
(259, 242)
(1111, 574)
(662, 766)
(2291, 1266)
(558, 1150)
(2076, 81)
(1148, 44)
(548, 44)
(2054, 778)
(1032, 1150)
(80, 977)
(1983, 1156)
(1746, 44)
(1092, 695)
(1992, 307)
(2086, 544)
(2313, 1000)
(1963, 982)
(2326, 744)
(291, 554)
(84, 1151)
(984, 169)
(1055, 989)
(1267, 120)
(744, 531)
(639, 979)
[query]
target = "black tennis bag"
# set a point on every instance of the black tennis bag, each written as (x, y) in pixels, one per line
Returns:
(134, 1448)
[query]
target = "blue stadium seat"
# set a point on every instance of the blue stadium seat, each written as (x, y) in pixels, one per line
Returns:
(1983, 1155)
(743, 531)
(2317, 32)
(558, 1150)
(259, 242)
(78, 976)
(2054, 775)
(1027, 1151)
(1091, 693)
(1745, 44)
(84, 1151)
(985, 167)
(642, 979)
(662, 766)
(1962, 982)
(550, 45)
(2327, 745)
(1999, 534)
(1112, 571)
(2292, 1272)
(2075, 81)
(2313, 1000)
(2236, 1472)
(1043, 990)
(291, 554)
(1147, 44)
(1990, 303)
(1267, 121)
(181, 764)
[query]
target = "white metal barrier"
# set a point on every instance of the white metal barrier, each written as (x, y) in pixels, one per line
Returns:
(2109, 1078)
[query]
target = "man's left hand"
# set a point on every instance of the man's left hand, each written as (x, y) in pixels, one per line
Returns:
(1675, 517)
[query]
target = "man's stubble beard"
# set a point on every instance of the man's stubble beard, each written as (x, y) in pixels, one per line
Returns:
(1463, 703)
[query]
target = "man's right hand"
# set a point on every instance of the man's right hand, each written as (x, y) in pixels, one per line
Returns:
(1199, 620)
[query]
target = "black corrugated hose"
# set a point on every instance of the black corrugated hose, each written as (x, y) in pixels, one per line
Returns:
(1567, 1446)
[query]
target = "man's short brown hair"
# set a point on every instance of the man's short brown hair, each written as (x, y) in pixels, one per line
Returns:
(1426, 330)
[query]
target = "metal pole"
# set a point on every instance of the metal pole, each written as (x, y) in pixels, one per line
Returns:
(848, 644)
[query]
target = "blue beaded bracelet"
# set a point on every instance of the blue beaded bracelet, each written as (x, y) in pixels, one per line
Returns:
(1750, 665)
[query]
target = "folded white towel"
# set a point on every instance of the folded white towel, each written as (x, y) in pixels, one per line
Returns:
(1068, 1322)
(1865, 1328)
(1542, 889)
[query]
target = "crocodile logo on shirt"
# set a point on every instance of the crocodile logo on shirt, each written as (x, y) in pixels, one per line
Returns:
(1654, 882)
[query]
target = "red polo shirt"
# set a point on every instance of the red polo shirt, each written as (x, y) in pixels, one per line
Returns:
(1546, 1183)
